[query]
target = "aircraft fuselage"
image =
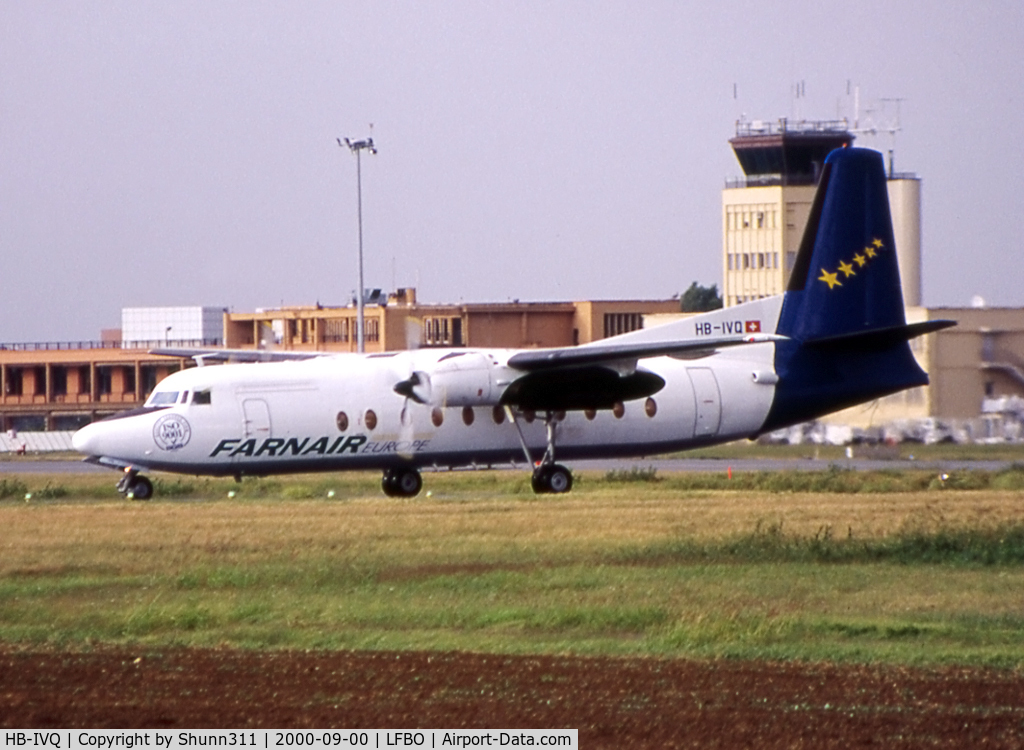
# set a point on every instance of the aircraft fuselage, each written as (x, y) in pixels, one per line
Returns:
(342, 412)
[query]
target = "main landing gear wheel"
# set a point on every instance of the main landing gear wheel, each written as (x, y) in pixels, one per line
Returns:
(135, 487)
(551, 478)
(401, 483)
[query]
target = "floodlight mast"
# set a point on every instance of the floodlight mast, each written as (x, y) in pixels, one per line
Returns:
(356, 147)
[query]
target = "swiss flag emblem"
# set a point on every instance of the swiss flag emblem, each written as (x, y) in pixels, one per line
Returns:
(752, 326)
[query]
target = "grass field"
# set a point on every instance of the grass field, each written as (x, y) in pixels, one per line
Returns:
(813, 567)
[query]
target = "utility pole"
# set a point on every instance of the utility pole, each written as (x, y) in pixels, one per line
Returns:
(356, 147)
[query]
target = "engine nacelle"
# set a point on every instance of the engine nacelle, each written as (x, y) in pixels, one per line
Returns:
(455, 380)
(463, 380)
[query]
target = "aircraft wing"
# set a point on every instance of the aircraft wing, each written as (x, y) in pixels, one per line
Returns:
(599, 376)
(236, 355)
(611, 354)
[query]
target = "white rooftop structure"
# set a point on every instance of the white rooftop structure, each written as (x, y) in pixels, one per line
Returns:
(143, 327)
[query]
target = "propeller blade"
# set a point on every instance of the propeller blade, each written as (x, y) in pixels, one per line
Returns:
(415, 387)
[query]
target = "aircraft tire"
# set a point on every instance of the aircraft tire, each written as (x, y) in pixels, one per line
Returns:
(408, 483)
(559, 479)
(141, 489)
(387, 483)
(539, 480)
(551, 479)
(401, 482)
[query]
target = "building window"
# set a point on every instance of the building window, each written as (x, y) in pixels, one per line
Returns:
(335, 331)
(371, 330)
(442, 331)
(617, 323)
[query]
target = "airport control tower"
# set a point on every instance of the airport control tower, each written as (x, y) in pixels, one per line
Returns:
(764, 213)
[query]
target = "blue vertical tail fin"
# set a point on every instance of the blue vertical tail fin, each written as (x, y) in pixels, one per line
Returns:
(843, 308)
(845, 278)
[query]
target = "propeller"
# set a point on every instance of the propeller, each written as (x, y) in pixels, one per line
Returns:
(415, 387)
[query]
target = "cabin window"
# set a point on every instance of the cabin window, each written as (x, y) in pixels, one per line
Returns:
(342, 421)
(650, 407)
(467, 415)
(163, 398)
(201, 397)
(370, 419)
(184, 397)
(498, 414)
(619, 410)
(590, 414)
(437, 416)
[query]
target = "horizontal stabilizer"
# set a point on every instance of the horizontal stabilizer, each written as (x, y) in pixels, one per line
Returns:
(882, 337)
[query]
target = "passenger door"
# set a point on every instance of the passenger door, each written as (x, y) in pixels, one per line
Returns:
(255, 418)
(709, 401)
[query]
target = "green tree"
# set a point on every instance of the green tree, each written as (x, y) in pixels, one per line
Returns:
(700, 298)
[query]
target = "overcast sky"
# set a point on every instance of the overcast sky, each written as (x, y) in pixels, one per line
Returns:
(184, 153)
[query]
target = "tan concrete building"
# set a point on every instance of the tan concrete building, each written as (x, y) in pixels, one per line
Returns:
(403, 324)
(46, 386)
(58, 386)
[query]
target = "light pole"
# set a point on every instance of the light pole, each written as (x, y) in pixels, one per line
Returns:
(356, 147)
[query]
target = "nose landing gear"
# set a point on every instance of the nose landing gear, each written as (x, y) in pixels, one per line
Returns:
(134, 486)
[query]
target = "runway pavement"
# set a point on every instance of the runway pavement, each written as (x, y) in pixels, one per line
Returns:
(663, 465)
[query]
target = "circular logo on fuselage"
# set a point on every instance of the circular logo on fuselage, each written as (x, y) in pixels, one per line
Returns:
(171, 432)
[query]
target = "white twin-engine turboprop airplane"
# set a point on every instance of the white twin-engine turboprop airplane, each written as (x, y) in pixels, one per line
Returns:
(836, 337)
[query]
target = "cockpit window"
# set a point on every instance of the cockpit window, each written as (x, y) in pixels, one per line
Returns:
(163, 398)
(201, 397)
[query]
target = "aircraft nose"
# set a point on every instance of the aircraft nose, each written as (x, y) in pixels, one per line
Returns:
(85, 440)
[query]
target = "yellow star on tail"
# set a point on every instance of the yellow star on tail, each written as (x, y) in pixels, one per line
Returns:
(870, 251)
(847, 268)
(860, 260)
(832, 279)
(877, 243)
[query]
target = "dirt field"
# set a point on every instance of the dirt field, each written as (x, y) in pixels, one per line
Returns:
(619, 703)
